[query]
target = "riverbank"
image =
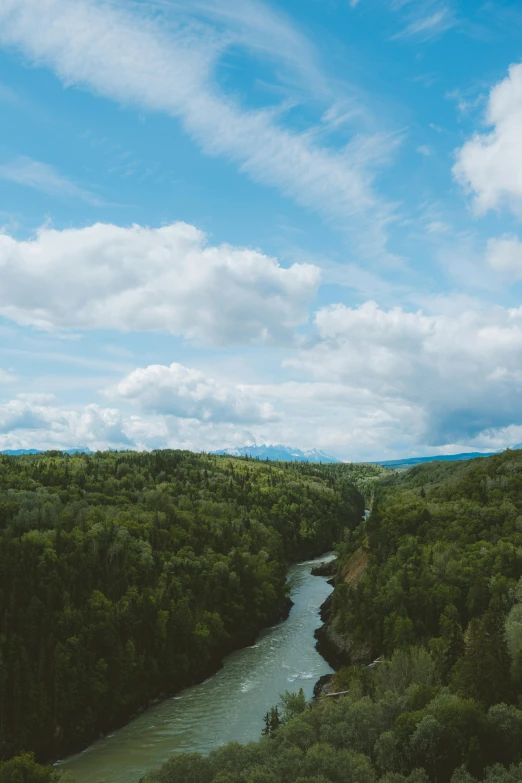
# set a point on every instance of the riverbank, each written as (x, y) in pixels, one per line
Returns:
(238, 641)
(227, 706)
(338, 649)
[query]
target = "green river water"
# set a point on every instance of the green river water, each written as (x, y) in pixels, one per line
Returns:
(230, 705)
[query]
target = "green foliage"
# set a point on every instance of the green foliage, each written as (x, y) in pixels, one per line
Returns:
(362, 475)
(24, 769)
(440, 601)
(272, 721)
(483, 672)
(125, 576)
(423, 734)
(443, 540)
(292, 704)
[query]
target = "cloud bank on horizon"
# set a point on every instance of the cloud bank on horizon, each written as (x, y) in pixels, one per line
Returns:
(229, 222)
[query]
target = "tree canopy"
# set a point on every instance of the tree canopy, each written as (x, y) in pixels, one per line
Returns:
(438, 597)
(126, 576)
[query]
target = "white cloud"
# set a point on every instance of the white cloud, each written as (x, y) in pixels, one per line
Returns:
(349, 417)
(40, 176)
(27, 424)
(504, 255)
(19, 415)
(428, 26)
(165, 279)
(461, 374)
(129, 57)
(6, 376)
(187, 393)
(346, 421)
(489, 165)
(264, 30)
(425, 19)
(38, 398)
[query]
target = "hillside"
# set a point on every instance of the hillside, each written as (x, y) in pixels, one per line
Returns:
(409, 462)
(125, 576)
(365, 476)
(431, 584)
(441, 533)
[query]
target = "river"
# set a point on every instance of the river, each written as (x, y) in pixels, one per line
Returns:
(230, 705)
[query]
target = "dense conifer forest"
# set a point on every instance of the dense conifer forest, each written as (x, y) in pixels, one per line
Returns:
(441, 602)
(438, 598)
(126, 576)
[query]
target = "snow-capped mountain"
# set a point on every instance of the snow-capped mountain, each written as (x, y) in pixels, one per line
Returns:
(281, 453)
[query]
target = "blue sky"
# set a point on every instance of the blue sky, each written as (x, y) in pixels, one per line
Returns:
(295, 222)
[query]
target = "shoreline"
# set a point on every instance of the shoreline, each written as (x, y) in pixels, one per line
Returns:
(328, 646)
(279, 614)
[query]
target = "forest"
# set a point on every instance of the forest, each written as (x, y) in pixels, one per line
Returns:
(126, 576)
(440, 603)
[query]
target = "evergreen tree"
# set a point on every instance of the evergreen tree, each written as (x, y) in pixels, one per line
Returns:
(452, 637)
(483, 672)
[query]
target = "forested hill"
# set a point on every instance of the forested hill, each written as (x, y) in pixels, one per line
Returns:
(124, 576)
(441, 602)
(441, 534)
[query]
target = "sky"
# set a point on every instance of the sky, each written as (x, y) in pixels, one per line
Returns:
(226, 222)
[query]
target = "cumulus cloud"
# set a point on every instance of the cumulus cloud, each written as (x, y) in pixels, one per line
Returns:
(461, 374)
(347, 418)
(151, 279)
(26, 424)
(181, 391)
(504, 255)
(347, 422)
(17, 415)
(29, 424)
(489, 165)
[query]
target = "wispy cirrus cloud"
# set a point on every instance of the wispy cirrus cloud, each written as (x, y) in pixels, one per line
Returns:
(424, 20)
(125, 53)
(7, 95)
(262, 30)
(40, 176)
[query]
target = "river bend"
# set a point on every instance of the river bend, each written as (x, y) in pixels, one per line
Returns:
(230, 705)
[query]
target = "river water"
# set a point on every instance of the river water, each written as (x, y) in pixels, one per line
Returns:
(230, 705)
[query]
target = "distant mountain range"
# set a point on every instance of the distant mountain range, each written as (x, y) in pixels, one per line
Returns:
(288, 454)
(281, 453)
(404, 464)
